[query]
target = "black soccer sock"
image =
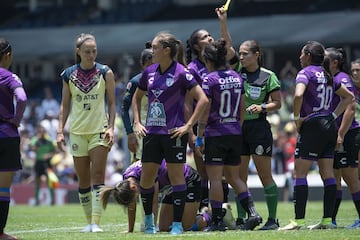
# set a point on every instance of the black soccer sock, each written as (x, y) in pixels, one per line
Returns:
(4, 212)
(337, 204)
(301, 190)
(147, 196)
(204, 194)
(179, 198)
(329, 197)
(247, 203)
(225, 187)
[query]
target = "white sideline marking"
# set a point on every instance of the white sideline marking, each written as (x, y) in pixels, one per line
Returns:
(62, 229)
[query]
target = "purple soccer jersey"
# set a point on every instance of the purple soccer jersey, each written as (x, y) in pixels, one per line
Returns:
(134, 170)
(198, 69)
(318, 94)
(166, 95)
(343, 78)
(8, 83)
(225, 88)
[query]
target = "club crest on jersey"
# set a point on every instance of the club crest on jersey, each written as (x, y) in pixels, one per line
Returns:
(157, 92)
(169, 82)
(78, 98)
(189, 76)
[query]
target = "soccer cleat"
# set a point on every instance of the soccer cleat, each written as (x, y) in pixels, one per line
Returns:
(356, 224)
(149, 224)
(228, 217)
(176, 228)
(271, 224)
(293, 225)
(240, 222)
(216, 226)
(326, 223)
(86, 229)
(5, 236)
(252, 222)
(322, 226)
(95, 228)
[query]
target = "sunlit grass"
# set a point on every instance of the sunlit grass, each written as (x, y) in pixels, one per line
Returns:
(65, 222)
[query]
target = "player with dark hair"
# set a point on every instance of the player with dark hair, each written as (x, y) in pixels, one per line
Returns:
(315, 122)
(195, 44)
(133, 141)
(346, 159)
(125, 193)
(85, 86)
(165, 132)
(355, 76)
(221, 125)
(262, 96)
(11, 115)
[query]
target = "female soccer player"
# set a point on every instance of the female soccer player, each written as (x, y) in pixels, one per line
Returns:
(125, 193)
(165, 132)
(221, 126)
(10, 117)
(346, 159)
(316, 125)
(85, 86)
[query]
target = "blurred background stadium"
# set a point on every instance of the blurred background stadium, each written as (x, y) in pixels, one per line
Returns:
(43, 32)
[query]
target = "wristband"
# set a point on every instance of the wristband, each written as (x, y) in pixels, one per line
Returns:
(199, 141)
(334, 115)
(296, 117)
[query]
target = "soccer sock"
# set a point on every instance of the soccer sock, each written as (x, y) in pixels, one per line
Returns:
(179, 198)
(301, 190)
(329, 197)
(4, 211)
(204, 194)
(96, 204)
(240, 210)
(37, 190)
(147, 195)
(52, 196)
(216, 208)
(338, 199)
(271, 196)
(247, 203)
(85, 201)
(356, 199)
(225, 187)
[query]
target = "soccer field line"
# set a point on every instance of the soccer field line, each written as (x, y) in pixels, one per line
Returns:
(62, 229)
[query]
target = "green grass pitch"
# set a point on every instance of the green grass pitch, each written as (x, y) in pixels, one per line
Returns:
(65, 222)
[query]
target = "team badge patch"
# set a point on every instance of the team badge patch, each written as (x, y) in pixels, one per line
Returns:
(169, 82)
(78, 98)
(259, 150)
(189, 77)
(75, 147)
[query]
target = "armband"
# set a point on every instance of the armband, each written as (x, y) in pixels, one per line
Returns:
(199, 141)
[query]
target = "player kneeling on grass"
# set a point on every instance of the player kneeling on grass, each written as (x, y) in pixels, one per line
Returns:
(127, 191)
